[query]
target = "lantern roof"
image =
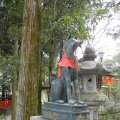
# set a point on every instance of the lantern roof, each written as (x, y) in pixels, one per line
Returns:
(89, 53)
(89, 66)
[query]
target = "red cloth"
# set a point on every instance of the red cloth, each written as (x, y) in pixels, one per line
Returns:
(67, 62)
(5, 103)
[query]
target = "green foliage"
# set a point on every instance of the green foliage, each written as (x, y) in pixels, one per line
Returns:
(62, 17)
(97, 11)
(14, 32)
(10, 29)
(2, 117)
(112, 114)
(113, 66)
(14, 8)
(102, 12)
(10, 25)
(8, 65)
(116, 69)
(115, 91)
(59, 19)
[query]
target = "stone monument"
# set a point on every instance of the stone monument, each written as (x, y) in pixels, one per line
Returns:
(61, 105)
(90, 81)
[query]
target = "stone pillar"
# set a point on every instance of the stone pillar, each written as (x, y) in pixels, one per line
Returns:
(93, 112)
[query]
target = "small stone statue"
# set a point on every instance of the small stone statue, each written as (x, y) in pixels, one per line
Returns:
(67, 73)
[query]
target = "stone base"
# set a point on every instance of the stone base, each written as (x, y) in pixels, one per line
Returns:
(56, 111)
(95, 97)
(93, 100)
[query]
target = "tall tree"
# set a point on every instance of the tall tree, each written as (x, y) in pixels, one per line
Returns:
(10, 31)
(61, 18)
(28, 85)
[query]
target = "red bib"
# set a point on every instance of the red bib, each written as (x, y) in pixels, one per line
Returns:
(67, 62)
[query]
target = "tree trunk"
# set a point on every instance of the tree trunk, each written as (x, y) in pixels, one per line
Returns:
(28, 84)
(40, 86)
(3, 92)
(61, 49)
(15, 80)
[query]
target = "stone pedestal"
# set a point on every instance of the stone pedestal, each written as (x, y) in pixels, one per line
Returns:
(93, 100)
(55, 111)
(91, 97)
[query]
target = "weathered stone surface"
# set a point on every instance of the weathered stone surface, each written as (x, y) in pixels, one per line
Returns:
(36, 118)
(55, 111)
(90, 78)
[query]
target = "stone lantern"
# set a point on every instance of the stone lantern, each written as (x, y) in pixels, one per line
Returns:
(90, 81)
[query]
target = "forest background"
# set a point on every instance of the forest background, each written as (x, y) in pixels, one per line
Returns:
(32, 35)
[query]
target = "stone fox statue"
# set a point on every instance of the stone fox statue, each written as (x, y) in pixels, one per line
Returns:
(67, 73)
